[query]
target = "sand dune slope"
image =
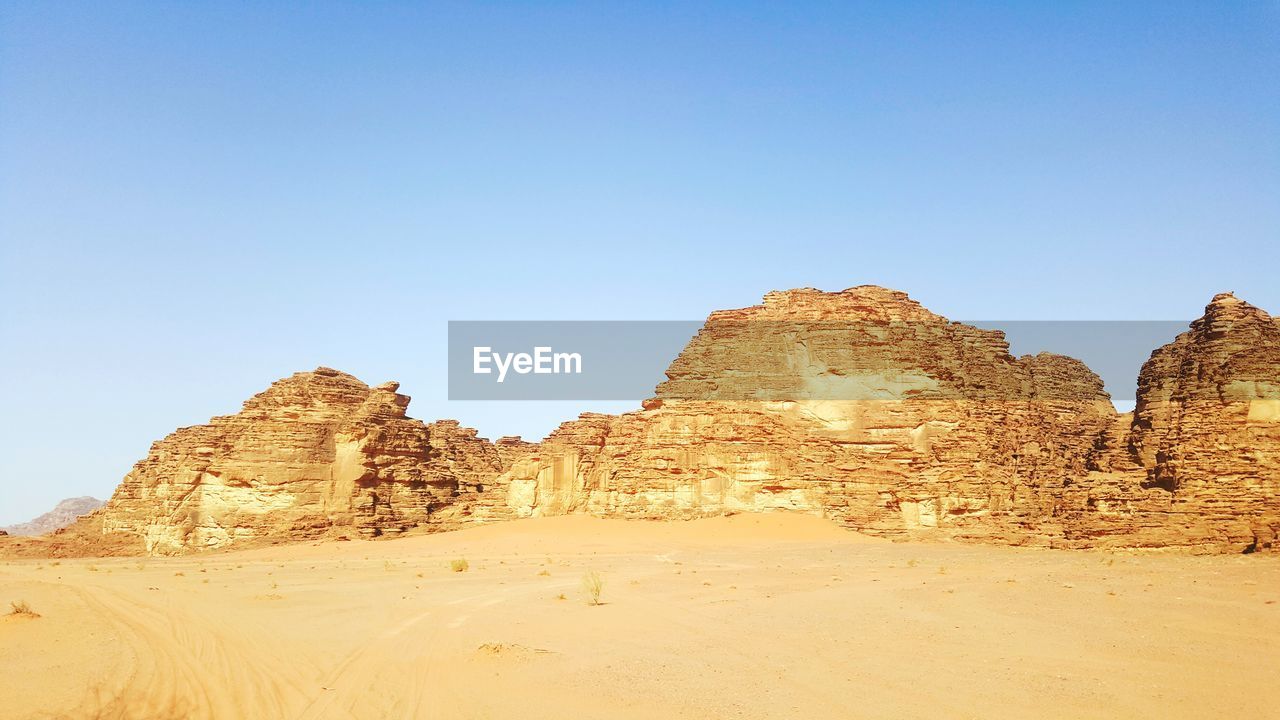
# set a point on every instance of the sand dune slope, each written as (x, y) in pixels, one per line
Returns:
(773, 616)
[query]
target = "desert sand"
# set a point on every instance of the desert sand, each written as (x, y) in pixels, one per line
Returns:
(749, 616)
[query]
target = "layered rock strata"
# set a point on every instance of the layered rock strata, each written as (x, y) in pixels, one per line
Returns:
(1203, 446)
(859, 405)
(316, 451)
(867, 408)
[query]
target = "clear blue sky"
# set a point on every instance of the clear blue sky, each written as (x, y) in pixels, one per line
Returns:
(197, 199)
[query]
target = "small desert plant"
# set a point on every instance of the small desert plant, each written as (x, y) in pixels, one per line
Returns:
(594, 585)
(459, 565)
(20, 607)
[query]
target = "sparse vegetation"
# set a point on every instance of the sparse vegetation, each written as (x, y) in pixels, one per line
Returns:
(459, 565)
(22, 609)
(594, 585)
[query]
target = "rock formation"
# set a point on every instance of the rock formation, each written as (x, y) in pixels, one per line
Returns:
(314, 452)
(1205, 432)
(859, 405)
(865, 407)
(62, 515)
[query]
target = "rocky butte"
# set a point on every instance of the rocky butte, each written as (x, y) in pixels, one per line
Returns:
(897, 422)
(859, 405)
(315, 452)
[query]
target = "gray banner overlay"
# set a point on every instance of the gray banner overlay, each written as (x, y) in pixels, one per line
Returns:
(626, 360)
(620, 360)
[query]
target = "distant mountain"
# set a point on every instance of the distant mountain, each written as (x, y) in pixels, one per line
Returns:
(61, 516)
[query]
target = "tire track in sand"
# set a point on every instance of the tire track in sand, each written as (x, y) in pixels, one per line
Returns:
(187, 667)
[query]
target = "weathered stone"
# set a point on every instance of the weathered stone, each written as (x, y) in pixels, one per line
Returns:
(1206, 428)
(867, 408)
(316, 452)
(859, 405)
(877, 412)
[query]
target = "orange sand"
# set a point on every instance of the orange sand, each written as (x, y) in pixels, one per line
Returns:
(760, 616)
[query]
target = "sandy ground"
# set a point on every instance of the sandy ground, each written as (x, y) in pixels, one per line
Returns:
(774, 616)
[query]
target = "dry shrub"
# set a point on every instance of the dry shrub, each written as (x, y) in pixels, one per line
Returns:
(593, 584)
(459, 565)
(21, 608)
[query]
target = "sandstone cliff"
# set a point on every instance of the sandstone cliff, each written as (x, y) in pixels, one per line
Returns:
(858, 405)
(867, 408)
(1206, 427)
(314, 452)
(861, 405)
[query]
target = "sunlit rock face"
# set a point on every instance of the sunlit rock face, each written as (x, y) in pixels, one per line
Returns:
(865, 407)
(314, 452)
(859, 405)
(1206, 427)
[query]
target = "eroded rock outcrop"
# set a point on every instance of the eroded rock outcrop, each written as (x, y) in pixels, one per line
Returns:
(865, 407)
(859, 405)
(1206, 428)
(315, 452)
